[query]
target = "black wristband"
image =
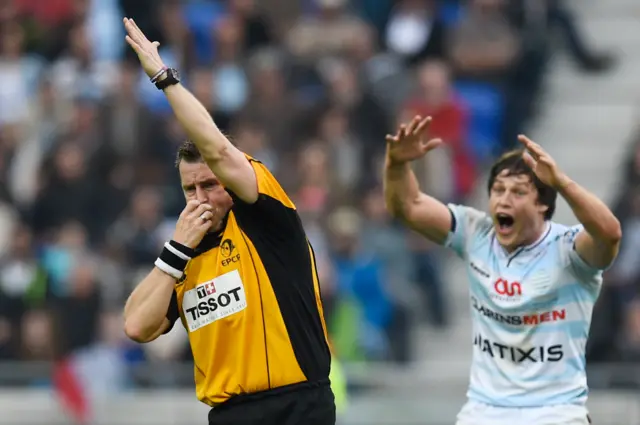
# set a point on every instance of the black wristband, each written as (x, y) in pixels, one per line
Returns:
(174, 259)
(189, 252)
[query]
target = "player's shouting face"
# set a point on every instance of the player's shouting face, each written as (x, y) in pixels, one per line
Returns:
(518, 201)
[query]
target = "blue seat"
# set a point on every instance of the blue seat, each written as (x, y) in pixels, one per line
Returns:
(485, 105)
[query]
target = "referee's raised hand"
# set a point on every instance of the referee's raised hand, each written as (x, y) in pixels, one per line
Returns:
(194, 222)
(146, 50)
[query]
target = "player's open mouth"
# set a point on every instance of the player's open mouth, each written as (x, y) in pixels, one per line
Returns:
(505, 222)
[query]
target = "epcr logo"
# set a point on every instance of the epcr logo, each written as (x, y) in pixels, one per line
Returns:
(504, 287)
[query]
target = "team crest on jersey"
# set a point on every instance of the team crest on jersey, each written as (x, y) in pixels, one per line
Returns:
(229, 253)
(213, 300)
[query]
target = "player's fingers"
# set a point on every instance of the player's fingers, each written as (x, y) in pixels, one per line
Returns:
(413, 124)
(531, 145)
(156, 44)
(422, 126)
(432, 144)
(528, 159)
(391, 139)
(403, 132)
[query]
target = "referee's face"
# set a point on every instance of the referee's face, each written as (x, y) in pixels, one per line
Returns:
(199, 183)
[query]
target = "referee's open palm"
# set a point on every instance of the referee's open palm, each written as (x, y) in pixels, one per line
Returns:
(146, 50)
(411, 141)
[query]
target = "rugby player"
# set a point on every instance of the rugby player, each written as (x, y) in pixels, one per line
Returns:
(533, 282)
(239, 274)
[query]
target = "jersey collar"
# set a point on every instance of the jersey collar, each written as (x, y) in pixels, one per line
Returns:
(525, 249)
(212, 240)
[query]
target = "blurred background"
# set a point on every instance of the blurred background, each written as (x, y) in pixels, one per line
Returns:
(89, 193)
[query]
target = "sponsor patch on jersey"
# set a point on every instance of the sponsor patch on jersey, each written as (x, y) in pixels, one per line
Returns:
(214, 300)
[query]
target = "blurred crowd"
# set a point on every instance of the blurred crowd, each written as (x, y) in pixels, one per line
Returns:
(616, 330)
(88, 188)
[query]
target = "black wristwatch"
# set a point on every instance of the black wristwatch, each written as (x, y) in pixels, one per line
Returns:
(165, 78)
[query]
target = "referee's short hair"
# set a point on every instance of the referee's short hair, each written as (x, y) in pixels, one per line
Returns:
(188, 152)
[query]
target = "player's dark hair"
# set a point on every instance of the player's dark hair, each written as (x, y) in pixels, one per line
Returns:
(188, 152)
(514, 163)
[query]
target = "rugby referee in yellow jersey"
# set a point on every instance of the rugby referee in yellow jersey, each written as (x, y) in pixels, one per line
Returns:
(240, 275)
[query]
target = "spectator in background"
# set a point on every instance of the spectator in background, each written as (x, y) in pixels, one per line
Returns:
(365, 119)
(137, 232)
(561, 15)
(257, 31)
(24, 286)
(325, 34)
(67, 193)
(39, 336)
(252, 139)
(19, 73)
(435, 97)
(65, 249)
(345, 150)
(360, 276)
(79, 310)
(76, 73)
(414, 31)
(381, 72)
(484, 47)
(231, 85)
(270, 96)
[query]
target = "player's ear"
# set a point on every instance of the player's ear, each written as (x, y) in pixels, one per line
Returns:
(542, 208)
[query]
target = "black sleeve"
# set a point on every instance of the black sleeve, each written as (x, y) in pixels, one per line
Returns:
(273, 212)
(172, 312)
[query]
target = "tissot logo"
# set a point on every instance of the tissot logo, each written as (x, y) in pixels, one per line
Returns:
(206, 290)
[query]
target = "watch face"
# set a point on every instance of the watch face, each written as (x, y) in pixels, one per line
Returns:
(176, 74)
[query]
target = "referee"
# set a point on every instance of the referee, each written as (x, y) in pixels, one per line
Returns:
(240, 275)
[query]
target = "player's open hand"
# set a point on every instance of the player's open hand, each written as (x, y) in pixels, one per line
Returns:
(543, 166)
(411, 141)
(194, 222)
(146, 50)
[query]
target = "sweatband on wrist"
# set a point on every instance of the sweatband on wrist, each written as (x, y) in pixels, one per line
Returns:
(173, 259)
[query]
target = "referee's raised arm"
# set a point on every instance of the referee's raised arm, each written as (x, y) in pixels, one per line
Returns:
(228, 163)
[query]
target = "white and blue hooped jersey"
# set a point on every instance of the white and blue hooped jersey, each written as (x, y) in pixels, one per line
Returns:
(531, 313)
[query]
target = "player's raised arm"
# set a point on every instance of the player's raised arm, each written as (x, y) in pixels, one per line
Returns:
(228, 163)
(404, 199)
(599, 242)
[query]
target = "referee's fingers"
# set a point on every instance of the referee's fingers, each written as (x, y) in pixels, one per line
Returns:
(206, 216)
(191, 207)
(200, 209)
